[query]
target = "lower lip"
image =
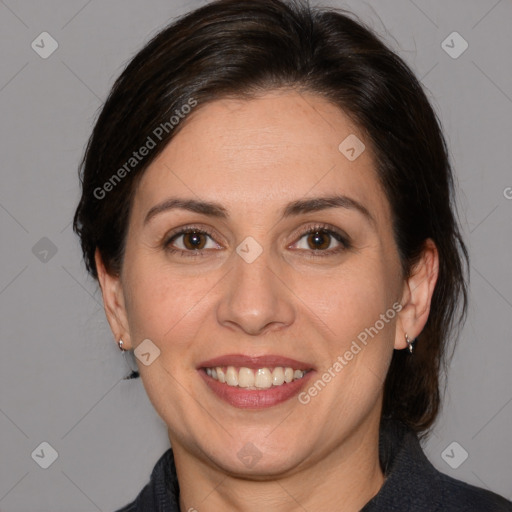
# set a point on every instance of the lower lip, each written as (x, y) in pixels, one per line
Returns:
(255, 399)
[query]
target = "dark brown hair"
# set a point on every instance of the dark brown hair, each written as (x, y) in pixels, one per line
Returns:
(241, 48)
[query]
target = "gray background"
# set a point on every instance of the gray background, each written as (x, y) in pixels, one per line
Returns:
(60, 370)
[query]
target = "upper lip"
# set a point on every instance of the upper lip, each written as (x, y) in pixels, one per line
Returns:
(255, 362)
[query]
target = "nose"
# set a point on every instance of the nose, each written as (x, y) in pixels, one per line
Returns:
(256, 298)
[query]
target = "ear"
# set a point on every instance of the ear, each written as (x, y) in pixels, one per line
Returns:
(113, 301)
(417, 295)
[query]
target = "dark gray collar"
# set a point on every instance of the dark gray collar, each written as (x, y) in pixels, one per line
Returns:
(411, 482)
(407, 470)
(410, 477)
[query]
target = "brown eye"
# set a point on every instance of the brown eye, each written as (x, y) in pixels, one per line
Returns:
(322, 241)
(194, 240)
(190, 242)
(319, 240)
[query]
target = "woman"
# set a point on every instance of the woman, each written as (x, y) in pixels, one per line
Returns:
(268, 208)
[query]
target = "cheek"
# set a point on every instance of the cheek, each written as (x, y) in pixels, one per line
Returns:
(151, 307)
(162, 303)
(349, 299)
(164, 308)
(358, 321)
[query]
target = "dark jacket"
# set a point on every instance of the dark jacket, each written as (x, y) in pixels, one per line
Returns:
(412, 483)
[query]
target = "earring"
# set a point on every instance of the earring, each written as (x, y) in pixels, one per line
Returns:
(134, 373)
(409, 343)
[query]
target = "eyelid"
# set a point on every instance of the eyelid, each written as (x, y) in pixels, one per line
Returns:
(319, 226)
(168, 239)
(341, 237)
(182, 230)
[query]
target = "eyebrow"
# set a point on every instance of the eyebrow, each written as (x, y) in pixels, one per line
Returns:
(301, 206)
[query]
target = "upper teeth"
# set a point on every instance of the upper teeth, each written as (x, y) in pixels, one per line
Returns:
(262, 378)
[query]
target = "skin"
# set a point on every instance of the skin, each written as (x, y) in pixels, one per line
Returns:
(254, 157)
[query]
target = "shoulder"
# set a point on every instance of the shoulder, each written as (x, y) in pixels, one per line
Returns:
(132, 507)
(413, 483)
(144, 501)
(426, 489)
(459, 495)
(160, 494)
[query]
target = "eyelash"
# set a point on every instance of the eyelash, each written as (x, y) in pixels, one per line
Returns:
(318, 253)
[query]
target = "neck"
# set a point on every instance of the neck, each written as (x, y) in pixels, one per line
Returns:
(349, 475)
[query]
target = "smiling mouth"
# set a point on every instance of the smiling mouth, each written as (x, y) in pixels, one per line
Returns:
(254, 379)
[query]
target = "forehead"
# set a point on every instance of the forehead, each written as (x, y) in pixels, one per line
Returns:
(262, 153)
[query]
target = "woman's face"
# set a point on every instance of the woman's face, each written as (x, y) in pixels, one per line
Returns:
(258, 285)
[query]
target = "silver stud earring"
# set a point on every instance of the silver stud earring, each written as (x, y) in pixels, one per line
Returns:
(409, 343)
(120, 343)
